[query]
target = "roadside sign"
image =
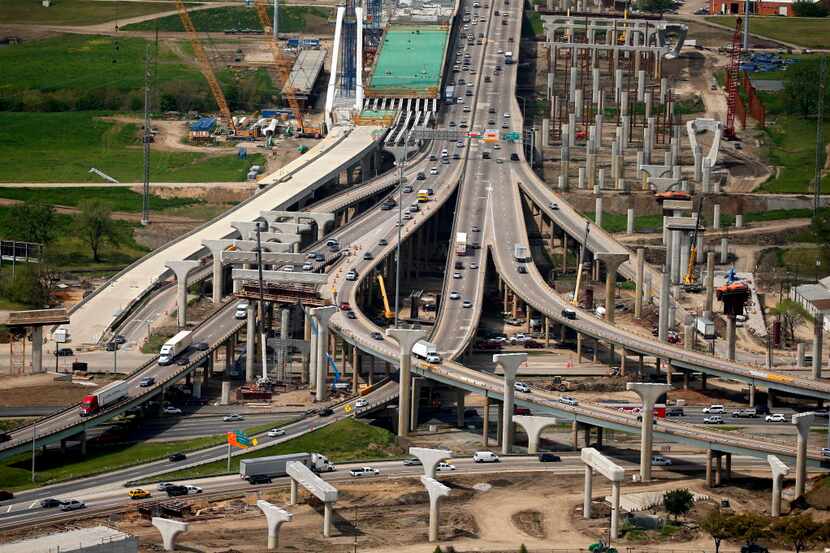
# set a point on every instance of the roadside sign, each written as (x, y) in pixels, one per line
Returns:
(348, 408)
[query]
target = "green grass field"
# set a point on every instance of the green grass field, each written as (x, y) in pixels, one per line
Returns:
(75, 12)
(293, 19)
(118, 199)
(61, 147)
(346, 440)
(802, 31)
(615, 222)
(792, 147)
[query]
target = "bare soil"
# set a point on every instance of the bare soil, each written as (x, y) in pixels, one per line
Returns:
(39, 389)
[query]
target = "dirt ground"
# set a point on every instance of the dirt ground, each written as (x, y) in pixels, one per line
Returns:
(39, 387)
(483, 513)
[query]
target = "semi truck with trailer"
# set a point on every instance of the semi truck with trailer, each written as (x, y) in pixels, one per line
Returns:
(174, 346)
(426, 351)
(275, 465)
(106, 396)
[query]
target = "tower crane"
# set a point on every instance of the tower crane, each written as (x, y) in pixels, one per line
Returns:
(284, 68)
(204, 65)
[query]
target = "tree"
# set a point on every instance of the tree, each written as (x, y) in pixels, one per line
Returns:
(820, 227)
(31, 222)
(750, 527)
(655, 5)
(801, 88)
(96, 227)
(799, 531)
(804, 8)
(792, 315)
(678, 502)
(522, 549)
(719, 526)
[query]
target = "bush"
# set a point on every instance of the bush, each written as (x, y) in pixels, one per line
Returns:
(806, 8)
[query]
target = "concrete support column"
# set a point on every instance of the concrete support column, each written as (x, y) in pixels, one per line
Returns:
(250, 342)
(799, 354)
(612, 262)
(170, 530)
(216, 248)
(802, 423)
(649, 393)
(638, 283)
(485, 417)
(779, 471)
(437, 491)
(598, 211)
(730, 337)
(716, 216)
(724, 251)
(459, 408)
(37, 349)
(406, 339)
(275, 517)
(663, 316)
(818, 331)
(321, 317)
(509, 363)
(587, 492)
(629, 222)
(328, 508)
(710, 286)
(181, 269)
(709, 479)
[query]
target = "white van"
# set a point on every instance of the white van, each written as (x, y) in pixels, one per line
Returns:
(715, 410)
(485, 457)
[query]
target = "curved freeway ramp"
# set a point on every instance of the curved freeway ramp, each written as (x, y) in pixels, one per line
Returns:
(90, 319)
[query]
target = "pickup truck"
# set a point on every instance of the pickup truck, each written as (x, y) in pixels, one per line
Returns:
(364, 471)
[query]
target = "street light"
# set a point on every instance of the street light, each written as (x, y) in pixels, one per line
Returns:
(261, 226)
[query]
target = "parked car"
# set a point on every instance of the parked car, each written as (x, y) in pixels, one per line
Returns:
(364, 471)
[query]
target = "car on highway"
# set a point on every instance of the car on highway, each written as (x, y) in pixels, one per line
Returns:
(485, 457)
(201, 346)
(421, 176)
(444, 466)
(547, 457)
(308, 267)
(139, 493)
(553, 205)
(568, 400)
(825, 452)
(407, 189)
(660, 461)
(360, 403)
(467, 304)
(275, 432)
(714, 410)
(192, 490)
(456, 275)
(72, 505)
(775, 417)
(147, 381)
(351, 275)
(332, 242)
(433, 171)
(377, 335)
(65, 352)
(176, 457)
(345, 306)
(50, 503)
(473, 265)
(183, 361)
(675, 412)
(351, 314)
(713, 419)
(241, 310)
(521, 387)
(364, 471)
(750, 413)
(162, 486)
(174, 490)
(413, 462)
(172, 410)
(368, 256)
(233, 417)
(521, 269)
(327, 412)
(111, 346)
(455, 296)
(257, 479)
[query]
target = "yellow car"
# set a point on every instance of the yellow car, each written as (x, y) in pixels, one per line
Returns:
(138, 493)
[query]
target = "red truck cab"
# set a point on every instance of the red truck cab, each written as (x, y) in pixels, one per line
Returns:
(89, 405)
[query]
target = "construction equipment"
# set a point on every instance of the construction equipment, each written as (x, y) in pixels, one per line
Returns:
(204, 64)
(732, 81)
(388, 313)
(690, 281)
(579, 268)
(284, 67)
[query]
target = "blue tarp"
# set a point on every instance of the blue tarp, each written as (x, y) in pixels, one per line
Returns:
(204, 124)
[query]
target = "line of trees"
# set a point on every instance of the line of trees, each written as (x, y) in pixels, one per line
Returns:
(797, 531)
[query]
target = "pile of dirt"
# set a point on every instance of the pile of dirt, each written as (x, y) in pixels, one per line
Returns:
(530, 522)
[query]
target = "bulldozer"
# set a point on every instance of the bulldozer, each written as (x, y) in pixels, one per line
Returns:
(561, 385)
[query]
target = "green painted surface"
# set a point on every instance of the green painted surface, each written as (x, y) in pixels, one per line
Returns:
(410, 59)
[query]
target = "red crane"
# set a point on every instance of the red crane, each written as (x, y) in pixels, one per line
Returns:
(732, 81)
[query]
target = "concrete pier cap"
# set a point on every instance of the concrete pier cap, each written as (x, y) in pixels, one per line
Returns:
(246, 228)
(533, 426)
(322, 315)
(436, 491)
(596, 461)
(275, 517)
(182, 269)
(216, 248)
(802, 422)
(170, 530)
(779, 471)
(430, 458)
(648, 392)
(509, 363)
(406, 338)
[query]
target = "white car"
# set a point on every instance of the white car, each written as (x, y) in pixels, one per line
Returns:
(233, 417)
(467, 304)
(715, 410)
(456, 275)
(713, 419)
(444, 466)
(351, 275)
(455, 295)
(521, 387)
(364, 471)
(825, 452)
(191, 490)
(361, 403)
(568, 400)
(72, 505)
(776, 417)
(274, 432)
(433, 171)
(241, 310)
(162, 486)
(170, 410)
(660, 461)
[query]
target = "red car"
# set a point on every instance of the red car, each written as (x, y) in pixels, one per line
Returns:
(344, 306)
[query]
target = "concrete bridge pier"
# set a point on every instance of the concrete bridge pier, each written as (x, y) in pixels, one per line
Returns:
(649, 393)
(802, 422)
(612, 262)
(250, 342)
(509, 363)
(638, 283)
(170, 530)
(181, 269)
(406, 338)
(779, 471)
(322, 316)
(818, 331)
(430, 458)
(533, 426)
(437, 491)
(275, 517)
(216, 248)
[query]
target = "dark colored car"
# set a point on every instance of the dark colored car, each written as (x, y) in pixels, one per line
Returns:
(177, 457)
(4, 495)
(183, 361)
(675, 412)
(421, 176)
(119, 339)
(111, 346)
(201, 346)
(4, 437)
(549, 458)
(259, 479)
(174, 491)
(350, 315)
(327, 412)
(377, 335)
(522, 269)
(65, 352)
(50, 503)
(514, 157)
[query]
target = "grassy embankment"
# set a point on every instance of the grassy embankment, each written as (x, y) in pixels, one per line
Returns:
(75, 12)
(293, 19)
(802, 31)
(615, 222)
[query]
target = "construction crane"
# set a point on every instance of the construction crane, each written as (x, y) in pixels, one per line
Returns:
(204, 64)
(575, 299)
(284, 68)
(690, 282)
(388, 313)
(732, 81)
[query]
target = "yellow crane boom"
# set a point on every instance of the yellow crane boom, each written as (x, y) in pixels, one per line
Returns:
(388, 313)
(204, 64)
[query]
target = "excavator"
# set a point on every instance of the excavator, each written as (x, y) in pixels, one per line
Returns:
(388, 313)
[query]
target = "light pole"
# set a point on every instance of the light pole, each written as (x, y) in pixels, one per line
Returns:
(401, 164)
(260, 227)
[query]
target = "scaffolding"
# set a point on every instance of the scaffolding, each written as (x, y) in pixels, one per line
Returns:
(348, 49)
(374, 26)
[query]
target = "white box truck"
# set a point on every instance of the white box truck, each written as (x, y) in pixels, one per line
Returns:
(521, 253)
(174, 346)
(426, 351)
(461, 243)
(109, 394)
(705, 327)
(274, 466)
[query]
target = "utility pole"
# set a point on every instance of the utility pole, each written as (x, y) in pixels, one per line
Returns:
(276, 21)
(746, 25)
(145, 209)
(822, 83)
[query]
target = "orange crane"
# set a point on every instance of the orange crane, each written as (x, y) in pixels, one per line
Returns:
(204, 64)
(284, 68)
